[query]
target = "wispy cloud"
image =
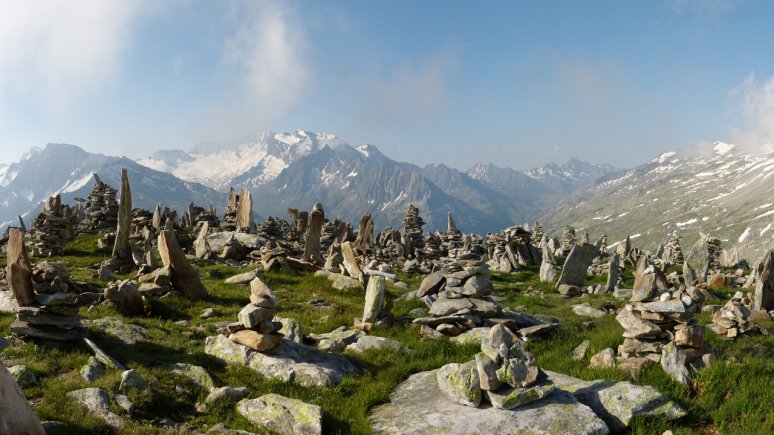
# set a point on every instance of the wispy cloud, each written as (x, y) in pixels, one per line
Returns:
(265, 59)
(752, 103)
(706, 9)
(408, 92)
(51, 52)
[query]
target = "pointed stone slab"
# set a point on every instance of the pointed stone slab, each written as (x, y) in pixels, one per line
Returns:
(122, 251)
(19, 268)
(184, 277)
(16, 414)
(313, 232)
(350, 262)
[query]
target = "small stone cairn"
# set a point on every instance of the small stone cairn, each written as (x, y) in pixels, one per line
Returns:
(52, 228)
(504, 373)
(412, 231)
(733, 318)
(659, 325)
(255, 328)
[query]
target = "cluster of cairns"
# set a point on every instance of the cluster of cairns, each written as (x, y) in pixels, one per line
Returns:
(52, 228)
(511, 249)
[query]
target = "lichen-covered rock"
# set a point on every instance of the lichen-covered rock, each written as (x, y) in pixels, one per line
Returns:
(368, 342)
(132, 380)
(282, 415)
(23, 376)
(509, 398)
(97, 401)
(291, 329)
(617, 402)
(197, 374)
(289, 362)
(673, 361)
(460, 383)
(126, 333)
(418, 407)
(93, 370)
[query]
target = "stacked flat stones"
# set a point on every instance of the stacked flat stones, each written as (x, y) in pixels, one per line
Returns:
(568, 239)
(659, 326)
(52, 228)
(511, 248)
(412, 231)
(101, 208)
(53, 314)
(504, 373)
(255, 328)
(673, 253)
(458, 297)
(733, 318)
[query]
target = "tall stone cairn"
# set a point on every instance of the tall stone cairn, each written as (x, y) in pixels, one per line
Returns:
(101, 208)
(52, 228)
(537, 233)
(313, 231)
(122, 250)
(568, 239)
(412, 231)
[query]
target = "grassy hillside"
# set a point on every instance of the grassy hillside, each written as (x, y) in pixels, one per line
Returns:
(731, 396)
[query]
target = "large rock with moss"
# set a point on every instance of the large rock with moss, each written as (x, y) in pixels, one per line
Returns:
(617, 402)
(282, 415)
(289, 362)
(418, 406)
(460, 383)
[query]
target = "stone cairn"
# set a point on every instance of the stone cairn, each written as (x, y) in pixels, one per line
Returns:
(673, 253)
(52, 228)
(510, 249)
(733, 318)
(459, 299)
(568, 239)
(47, 299)
(504, 373)
(659, 325)
(101, 208)
(537, 233)
(412, 232)
(255, 328)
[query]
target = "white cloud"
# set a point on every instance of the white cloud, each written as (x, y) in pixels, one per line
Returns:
(53, 51)
(264, 57)
(707, 9)
(753, 103)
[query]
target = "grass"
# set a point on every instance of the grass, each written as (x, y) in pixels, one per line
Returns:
(730, 396)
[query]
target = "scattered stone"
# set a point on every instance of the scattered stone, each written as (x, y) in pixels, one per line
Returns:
(23, 376)
(97, 401)
(93, 370)
(197, 374)
(282, 415)
(605, 358)
(102, 356)
(586, 310)
(132, 380)
(243, 278)
(580, 352)
(369, 342)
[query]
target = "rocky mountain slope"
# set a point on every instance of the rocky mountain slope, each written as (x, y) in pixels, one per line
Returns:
(68, 170)
(722, 190)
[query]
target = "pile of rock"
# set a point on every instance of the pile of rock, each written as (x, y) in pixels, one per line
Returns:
(142, 223)
(52, 228)
(255, 328)
(568, 239)
(673, 253)
(733, 318)
(715, 251)
(504, 373)
(659, 326)
(412, 232)
(53, 312)
(101, 208)
(511, 248)
(458, 298)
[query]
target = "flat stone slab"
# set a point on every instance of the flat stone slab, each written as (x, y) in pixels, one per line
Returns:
(289, 362)
(617, 402)
(417, 406)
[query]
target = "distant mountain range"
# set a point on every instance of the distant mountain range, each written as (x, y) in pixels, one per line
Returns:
(722, 190)
(299, 169)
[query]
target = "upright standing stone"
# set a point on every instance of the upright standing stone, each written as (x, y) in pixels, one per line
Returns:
(184, 277)
(349, 260)
(374, 299)
(201, 245)
(16, 415)
(613, 273)
(244, 215)
(122, 251)
(19, 268)
(313, 232)
(365, 232)
(696, 263)
(548, 266)
(451, 227)
(156, 221)
(764, 285)
(576, 265)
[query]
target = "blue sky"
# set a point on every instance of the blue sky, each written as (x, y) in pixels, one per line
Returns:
(514, 83)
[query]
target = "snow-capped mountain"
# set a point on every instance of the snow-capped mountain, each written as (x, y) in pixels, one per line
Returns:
(255, 159)
(721, 190)
(551, 178)
(68, 170)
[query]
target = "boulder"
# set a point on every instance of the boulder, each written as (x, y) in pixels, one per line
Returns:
(16, 414)
(673, 361)
(696, 263)
(289, 362)
(418, 406)
(374, 299)
(368, 342)
(576, 265)
(281, 414)
(460, 383)
(605, 358)
(763, 299)
(97, 401)
(184, 277)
